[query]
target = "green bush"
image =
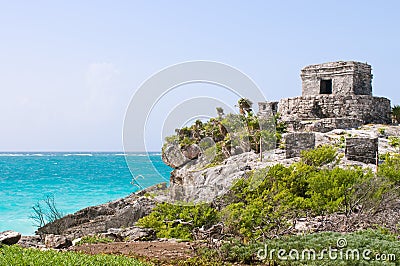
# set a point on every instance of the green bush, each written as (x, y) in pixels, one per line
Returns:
(15, 255)
(377, 241)
(390, 168)
(266, 200)
(329, 189)
(93, 240)
(322, 155)
(178, 221)
(394, 141)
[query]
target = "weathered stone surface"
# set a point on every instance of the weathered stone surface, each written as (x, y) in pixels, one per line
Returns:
(173, 156)
(323, 125)
(193, 184)
(362, 149)
(335, 95)
(366, 108)
(345, 77)
(9, 237)
(57, 241)
(31, 242)
(192, 152)
(98, 219)
(297, 142)
(133, 233)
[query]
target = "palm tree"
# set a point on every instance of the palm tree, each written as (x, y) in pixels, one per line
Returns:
(396, 113)
(244, 106)
(220, 112)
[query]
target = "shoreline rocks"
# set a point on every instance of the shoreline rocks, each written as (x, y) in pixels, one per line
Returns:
(9, 237)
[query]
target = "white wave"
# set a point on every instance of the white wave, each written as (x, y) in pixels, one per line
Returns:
(78, 154)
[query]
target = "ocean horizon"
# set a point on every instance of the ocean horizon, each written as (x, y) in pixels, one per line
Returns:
(75, 179)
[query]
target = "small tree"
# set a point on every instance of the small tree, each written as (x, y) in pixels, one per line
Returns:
(244, 106)
(220, 112)
(396, 113)
(45, 212)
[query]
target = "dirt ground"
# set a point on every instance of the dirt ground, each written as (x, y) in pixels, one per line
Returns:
(164, 252)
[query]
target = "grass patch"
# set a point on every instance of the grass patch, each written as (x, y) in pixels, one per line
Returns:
(368, 247)
(93, 240)
(15, 255)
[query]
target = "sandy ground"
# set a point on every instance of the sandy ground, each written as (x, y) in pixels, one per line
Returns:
(164, 252)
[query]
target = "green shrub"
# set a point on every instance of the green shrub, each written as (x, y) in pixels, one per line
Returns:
(266, 200)
(93, 240)
(15, 255)
(394, 141)
(178, 221)
(329, 189)
(381, 130)
(377, 241)
(390, 168)
(322, 155)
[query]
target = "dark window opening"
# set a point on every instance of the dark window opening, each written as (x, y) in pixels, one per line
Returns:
(326, 86)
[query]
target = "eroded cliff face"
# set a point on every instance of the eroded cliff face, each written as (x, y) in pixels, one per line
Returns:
(194, 181)
(98, 219)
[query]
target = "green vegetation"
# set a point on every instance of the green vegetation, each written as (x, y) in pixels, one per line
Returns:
(382, 131)
(15, 255)
(263, 204)
(229, 132)
(396, 113)
(394, 142)
(390, 169)
(93, 240)
(178, 221)
(381, 244)
(322, 155)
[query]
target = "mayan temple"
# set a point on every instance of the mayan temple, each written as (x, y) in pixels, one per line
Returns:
(334, 95)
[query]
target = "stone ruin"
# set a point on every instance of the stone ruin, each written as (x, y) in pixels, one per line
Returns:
(297, 142)
(335, 95)
(362, 149)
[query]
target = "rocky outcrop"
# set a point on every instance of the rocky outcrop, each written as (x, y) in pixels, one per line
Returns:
(57, 241)
(32, 242)
(173, 156)
(133, 233)
(193, 184)
(98, 219)
(9, 237)
(196, 183)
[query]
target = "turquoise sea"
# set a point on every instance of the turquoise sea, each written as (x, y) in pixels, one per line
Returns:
(75, 180)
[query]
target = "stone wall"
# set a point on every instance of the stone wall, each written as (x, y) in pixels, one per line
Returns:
(348, 78)
(323, 125)
(366, 108)
(297, 142)
(362, 149)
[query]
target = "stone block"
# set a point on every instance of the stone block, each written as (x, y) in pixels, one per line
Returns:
(297, 142)
(362, 149)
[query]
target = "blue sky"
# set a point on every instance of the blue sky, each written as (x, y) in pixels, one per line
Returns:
(69, 68)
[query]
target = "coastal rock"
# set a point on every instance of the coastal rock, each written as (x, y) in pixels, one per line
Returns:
(57, 241)
(173, 156)
(133, 233)
(9, 237)
(192, 152)
(98, 219)
(196, 184)
(31, 242)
